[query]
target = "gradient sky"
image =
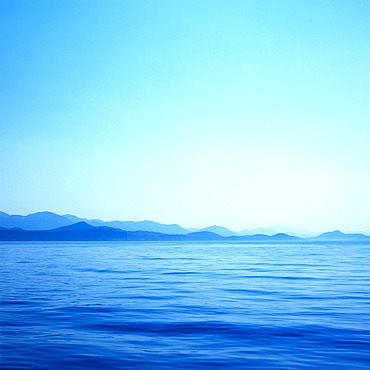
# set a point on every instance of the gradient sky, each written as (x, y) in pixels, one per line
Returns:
(198, 112)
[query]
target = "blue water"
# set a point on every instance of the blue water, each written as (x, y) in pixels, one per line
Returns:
(124, 305)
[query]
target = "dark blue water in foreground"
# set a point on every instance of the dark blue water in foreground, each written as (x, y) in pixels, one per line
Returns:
(104, 305)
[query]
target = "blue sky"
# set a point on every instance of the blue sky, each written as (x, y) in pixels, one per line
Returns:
(239, 113)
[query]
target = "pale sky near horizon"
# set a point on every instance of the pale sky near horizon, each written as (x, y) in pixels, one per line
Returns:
(198, 112)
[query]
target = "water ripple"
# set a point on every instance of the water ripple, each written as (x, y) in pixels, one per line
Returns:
(185, 306)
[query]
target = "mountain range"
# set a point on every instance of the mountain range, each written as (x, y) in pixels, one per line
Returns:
(51, 226)
(49, 220)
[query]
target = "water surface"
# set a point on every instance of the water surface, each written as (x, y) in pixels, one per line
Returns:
(127, 305)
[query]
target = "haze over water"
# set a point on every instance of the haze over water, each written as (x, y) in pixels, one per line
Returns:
(243, 114)
(104, 305)
(237, 113)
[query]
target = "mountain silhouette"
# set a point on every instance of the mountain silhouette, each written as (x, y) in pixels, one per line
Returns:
(220, 230)
(70, 227)
(82, 225)
(82, 231)
(49, 220)
(34, 221)
(338, 235)
(273, 230)
(141, 226)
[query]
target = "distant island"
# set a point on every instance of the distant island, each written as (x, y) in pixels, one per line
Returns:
(49, 226)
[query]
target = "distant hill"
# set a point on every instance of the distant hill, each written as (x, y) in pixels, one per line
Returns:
(34, 221)
(204, 235)
(220, 230)
(82, 231)
(82, 225)
(267, 238)
(141, 226)
(134, 225)
(70, 225)
(273, 230)
(50, 220)
(338, 235)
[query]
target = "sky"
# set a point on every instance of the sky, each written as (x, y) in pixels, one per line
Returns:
(245, 114)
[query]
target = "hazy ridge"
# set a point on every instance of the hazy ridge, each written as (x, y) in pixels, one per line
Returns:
(50, 226)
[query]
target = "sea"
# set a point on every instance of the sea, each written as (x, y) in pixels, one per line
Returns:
(181, 305)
